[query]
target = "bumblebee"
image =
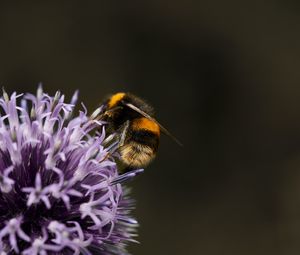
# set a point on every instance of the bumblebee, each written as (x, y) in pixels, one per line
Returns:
(139, 133)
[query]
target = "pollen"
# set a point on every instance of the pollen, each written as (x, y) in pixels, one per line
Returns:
(146, 124)
(115, 99)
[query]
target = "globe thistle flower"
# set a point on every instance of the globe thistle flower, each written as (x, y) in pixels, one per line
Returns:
(60, 191)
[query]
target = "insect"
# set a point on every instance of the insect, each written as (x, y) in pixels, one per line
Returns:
(139, 133)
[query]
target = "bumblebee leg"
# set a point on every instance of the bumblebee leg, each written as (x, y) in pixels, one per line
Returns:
(124, 133)
(108, 140)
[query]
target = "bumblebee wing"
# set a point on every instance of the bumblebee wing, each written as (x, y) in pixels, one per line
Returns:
(163, 129)
(133, 107)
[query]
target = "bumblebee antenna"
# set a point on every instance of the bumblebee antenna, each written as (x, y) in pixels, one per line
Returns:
(163, 129)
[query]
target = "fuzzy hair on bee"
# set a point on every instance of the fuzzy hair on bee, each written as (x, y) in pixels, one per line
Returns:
(139, 133)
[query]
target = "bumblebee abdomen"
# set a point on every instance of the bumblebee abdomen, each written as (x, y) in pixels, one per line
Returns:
(136, 155)
(140, 148)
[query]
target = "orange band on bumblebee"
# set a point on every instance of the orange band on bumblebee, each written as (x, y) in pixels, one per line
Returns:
(115, 99)
(146, 124)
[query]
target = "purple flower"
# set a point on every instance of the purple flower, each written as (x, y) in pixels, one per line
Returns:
(60, 191)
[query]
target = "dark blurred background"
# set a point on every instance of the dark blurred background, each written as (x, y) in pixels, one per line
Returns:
(223, 77)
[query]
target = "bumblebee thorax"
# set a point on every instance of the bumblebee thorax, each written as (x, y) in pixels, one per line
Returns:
(115, 99)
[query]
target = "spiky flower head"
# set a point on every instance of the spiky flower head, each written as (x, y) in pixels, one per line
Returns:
(60, 191)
